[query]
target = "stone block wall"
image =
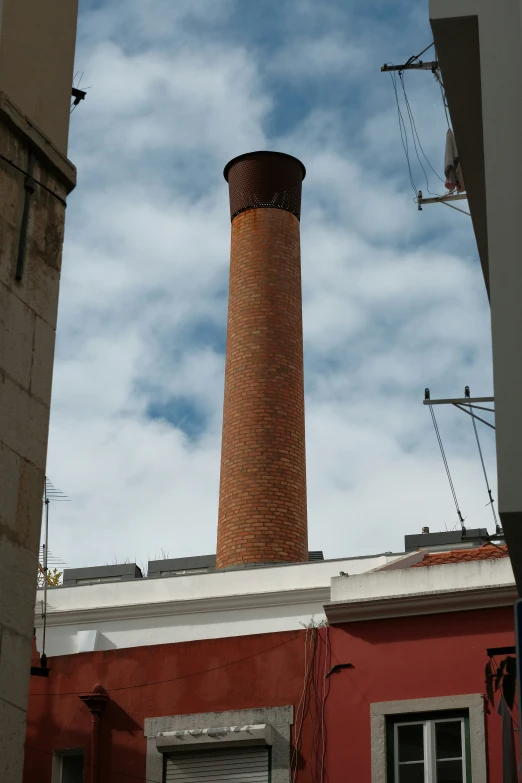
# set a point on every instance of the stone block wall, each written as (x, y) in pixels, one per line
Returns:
(28, 312)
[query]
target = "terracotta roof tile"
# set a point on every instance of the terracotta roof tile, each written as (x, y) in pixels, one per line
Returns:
(485, 552)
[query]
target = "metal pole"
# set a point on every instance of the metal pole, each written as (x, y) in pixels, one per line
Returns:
(95, 737)
(45, 548)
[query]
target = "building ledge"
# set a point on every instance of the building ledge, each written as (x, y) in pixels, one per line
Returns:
(59, 165)
(316, 595)
(381, 608)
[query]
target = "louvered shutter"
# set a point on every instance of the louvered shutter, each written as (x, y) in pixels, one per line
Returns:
(229, 765)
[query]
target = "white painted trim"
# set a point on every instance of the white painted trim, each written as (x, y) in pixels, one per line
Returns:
(429, 750)
(280, 720)
(421, 603)
(406, 561)
(187, 739)
(316, 595)
(473, 702)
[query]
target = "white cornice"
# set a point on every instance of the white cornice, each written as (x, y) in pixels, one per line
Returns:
(421, 603)
(313, 595)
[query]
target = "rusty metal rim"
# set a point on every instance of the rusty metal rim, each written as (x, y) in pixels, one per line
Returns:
(248, 155)
(264, 206)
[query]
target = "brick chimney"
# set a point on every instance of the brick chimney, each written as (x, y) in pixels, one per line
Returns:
(262, 498)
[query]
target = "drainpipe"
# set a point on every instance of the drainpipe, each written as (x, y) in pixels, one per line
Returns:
(29, 186)
(95, 703)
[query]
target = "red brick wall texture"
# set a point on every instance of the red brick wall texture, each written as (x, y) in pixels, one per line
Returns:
(262, 501)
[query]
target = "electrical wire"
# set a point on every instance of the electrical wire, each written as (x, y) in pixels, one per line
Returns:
(491, 501)
(439, 439)
(316, 713)
(37, 182)
(302, 705)
(443, 96)
(176, 679)
(414, 134)
(326, 690)
(417, 144)
(403, 132)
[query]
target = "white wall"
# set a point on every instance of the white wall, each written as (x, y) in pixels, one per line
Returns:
(186, 608)
(476, 574)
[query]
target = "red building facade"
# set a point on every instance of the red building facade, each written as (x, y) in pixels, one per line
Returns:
(332, 677)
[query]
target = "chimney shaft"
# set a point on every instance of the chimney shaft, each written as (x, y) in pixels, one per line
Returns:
(262, 499)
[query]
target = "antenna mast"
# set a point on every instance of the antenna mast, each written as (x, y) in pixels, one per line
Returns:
(50, 493)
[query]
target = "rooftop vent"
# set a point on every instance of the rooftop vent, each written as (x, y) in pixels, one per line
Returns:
(123, 572)
(448, 539)
(203, 564)
(182, 566)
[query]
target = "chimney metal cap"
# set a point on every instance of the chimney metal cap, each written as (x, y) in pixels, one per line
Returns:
(262, 154)
(265, 179)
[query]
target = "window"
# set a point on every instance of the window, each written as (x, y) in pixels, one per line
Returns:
(430, 748)
(250, 765)
(223, 753)
(68, 766)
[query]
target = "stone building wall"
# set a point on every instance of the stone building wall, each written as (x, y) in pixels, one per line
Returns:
(28, 312)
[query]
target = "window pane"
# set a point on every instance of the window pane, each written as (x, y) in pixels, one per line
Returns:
(411, 742)
(72, 769)
(448, 739)
(411, 773)
(449, 772)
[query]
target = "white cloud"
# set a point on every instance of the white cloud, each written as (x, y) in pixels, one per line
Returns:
(318, 58)
(392, 303)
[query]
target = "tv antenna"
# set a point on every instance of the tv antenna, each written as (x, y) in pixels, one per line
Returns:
(51, 494)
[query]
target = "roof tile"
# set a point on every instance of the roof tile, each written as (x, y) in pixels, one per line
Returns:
(484, 552)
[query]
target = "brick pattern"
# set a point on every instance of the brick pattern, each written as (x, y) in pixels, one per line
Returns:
(262, 500)
(485, 552)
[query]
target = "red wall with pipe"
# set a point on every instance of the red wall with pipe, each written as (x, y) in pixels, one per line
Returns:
(406, 658)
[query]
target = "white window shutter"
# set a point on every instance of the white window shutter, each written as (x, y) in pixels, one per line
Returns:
(228, 765)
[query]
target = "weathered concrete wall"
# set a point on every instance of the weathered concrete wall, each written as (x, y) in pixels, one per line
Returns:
(37, 42)
(28, 311)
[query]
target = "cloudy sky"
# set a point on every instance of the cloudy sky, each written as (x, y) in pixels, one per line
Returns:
(394, 299)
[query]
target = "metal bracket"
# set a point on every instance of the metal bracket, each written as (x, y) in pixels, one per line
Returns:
(338, 667)
(458, 402)
(420, 66)
(78, 95)
(492, 651)
(441, 199)
(42, 670)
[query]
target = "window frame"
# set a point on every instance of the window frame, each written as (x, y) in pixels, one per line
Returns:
(199, 752)
(59, 756)
(428, 721)
(279, 718)
(380, 712)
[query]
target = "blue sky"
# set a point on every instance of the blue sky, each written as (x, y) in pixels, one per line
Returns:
(394, 300)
